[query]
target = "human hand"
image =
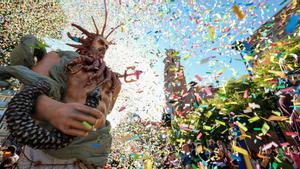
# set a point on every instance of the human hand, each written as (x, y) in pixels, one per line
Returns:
(68, 118)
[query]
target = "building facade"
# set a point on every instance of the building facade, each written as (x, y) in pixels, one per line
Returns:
(180, 96)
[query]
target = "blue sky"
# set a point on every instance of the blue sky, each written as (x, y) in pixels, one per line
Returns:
(227, 27)
(154, 31)
(184, 25)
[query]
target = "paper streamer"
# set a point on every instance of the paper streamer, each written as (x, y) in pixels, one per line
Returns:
(292, 24)
(242, 126)
(238, 12)
(207, 127)
(292, 134)
(265, 128)
(253, 119)
(211, 33)
(277, 118)
(240, 150)
(220, 122)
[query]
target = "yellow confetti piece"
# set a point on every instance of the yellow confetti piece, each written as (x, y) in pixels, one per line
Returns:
(238, 12)
(186, 56)
(228, 103)
(224, 131)
(265, 128)
(122, 29)
(199, 149)
(278, 160)
(208, 114)
(277, 118)
(240, 150)
(207, 127)
(243, 115)
(242, 126)
(148, 164)
(253, 119)
(248, 58)
(211, 33)
(220, 122)
(296, 103)
(276, 113)
(268, 79)
(278, 73)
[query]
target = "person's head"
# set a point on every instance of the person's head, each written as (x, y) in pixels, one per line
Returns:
(269, 151)
(186, 148)
(221, 152)
(12, 149)
(293, 149)
(99, 44)
(92, 49)
(95, 43)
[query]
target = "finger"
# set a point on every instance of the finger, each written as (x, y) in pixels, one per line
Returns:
(76, 132)
(78, 125)
(94, 112)
(102, 107)
(100, 123)
(84, 117)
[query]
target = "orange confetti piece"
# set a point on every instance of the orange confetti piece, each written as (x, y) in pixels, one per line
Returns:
(211, 33)
(238, 12)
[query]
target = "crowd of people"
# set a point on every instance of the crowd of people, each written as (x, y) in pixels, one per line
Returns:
(8, 157)
(145, 145)
(284, 157)
(17, 18)
(221, 155)
(281, 152)
(140, 144)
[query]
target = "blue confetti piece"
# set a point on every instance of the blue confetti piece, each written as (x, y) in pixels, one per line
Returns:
(96, 145)
(237, 158)
(204, 163)
(279, 55)
(292, 24)
(283, 2)
(76, 39)
(249, 4)
(178, 133)
(297, 91)
(247, 46)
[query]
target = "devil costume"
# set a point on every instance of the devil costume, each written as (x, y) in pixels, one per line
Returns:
(62, 148)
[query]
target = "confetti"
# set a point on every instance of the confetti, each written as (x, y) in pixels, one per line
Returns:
(265, 128)
(238, 12)
(292, 24)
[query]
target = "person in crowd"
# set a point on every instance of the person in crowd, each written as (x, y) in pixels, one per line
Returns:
(10, 157)
(211, 144)
(294, 154)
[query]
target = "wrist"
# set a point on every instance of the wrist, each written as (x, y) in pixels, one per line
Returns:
(45, 107)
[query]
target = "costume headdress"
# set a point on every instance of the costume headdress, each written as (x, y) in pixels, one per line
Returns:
(92, 49)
